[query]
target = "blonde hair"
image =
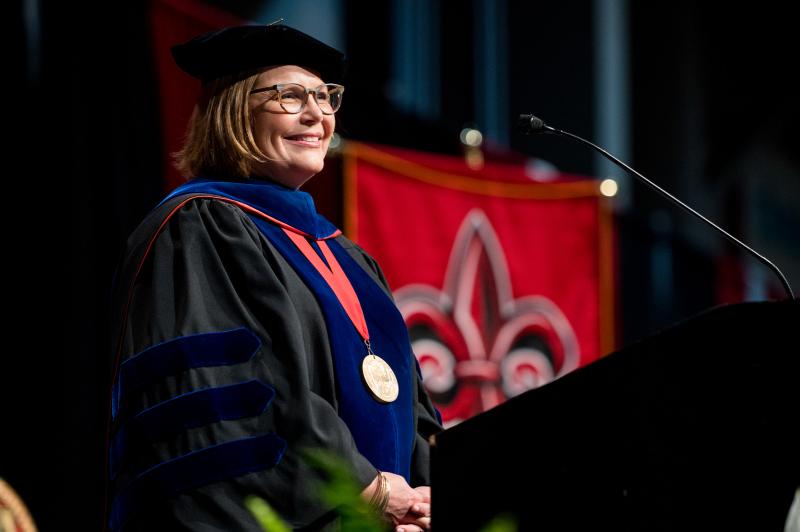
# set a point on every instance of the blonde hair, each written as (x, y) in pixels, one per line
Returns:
(219, 137)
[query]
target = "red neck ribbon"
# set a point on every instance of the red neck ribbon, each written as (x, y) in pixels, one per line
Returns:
(336, 279)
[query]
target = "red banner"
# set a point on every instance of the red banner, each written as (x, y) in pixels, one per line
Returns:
(505, 284)
(173, 22)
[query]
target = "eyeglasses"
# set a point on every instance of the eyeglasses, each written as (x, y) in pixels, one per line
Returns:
(293, 96)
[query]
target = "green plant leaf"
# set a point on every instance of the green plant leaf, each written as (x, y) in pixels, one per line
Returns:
(343, 492)
(268, 518)
(501, 523)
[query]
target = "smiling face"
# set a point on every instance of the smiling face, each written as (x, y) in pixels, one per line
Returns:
(295, 144)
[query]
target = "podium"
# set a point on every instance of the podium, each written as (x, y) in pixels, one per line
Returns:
(693, 428)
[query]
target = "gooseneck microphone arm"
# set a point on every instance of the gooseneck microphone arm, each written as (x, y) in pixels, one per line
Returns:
(530, 124)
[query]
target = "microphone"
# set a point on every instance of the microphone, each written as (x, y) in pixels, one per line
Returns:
(530, 124)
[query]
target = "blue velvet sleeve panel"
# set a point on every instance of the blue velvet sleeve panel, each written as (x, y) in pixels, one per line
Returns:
(225, 375)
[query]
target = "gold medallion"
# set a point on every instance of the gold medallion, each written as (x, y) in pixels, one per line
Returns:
(380, 378)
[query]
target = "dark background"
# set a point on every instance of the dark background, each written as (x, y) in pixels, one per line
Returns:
(713, 118)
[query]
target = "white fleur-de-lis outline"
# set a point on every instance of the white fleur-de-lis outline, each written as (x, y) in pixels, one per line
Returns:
(474, 240)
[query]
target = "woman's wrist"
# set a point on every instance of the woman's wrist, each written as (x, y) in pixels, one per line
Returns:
(380, 495)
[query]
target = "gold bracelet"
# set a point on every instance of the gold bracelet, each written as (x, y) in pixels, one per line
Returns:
(380, 497)
(386, 491)
(377, 495)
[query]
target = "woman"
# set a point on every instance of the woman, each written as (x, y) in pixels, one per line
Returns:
(248, 328)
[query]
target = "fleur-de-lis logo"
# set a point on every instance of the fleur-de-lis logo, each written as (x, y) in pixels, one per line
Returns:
(476, 344)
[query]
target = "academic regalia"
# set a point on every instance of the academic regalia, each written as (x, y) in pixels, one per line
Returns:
(232, 355)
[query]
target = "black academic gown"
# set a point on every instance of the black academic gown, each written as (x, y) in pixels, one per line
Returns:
(210, 281)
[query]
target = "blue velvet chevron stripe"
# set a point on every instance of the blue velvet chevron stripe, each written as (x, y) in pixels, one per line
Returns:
(189, 410)
(180, 354)
(196, 469)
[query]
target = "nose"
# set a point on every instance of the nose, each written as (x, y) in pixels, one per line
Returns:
(312, 113)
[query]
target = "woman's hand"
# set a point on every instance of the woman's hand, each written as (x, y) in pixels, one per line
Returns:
(402, 501)
(406, 506)
(420, 517)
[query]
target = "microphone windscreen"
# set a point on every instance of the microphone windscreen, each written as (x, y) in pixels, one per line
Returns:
(530, 123)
